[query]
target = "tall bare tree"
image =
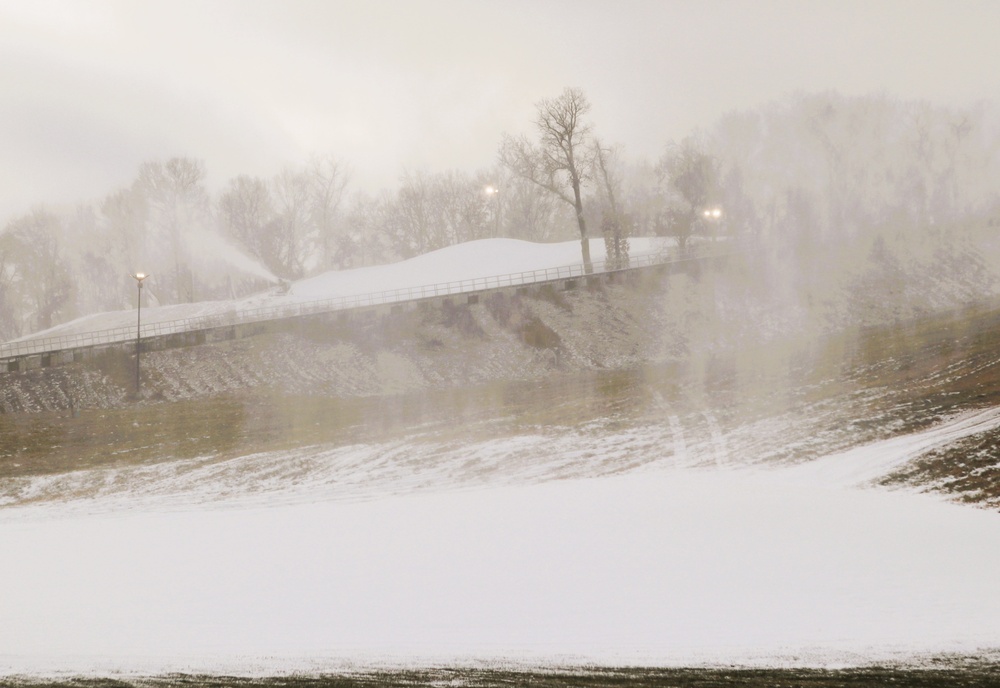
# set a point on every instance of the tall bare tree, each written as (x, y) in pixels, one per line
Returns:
(561, 161)
(328, 178)
(615, 225)
(291, 227)
(246, 212)
(178, 202)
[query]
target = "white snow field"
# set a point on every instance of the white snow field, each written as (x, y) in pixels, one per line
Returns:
(666, 565)
(292, 561)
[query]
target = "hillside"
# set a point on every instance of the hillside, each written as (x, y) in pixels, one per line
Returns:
(691, 457)
(731, 370)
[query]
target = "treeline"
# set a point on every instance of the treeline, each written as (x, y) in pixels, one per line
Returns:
(58, 264)
(827, 168)
(864, 203)
(813, 178)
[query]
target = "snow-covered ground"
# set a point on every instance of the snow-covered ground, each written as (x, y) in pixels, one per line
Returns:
(672, 564)
(467, 261)
(313, 559)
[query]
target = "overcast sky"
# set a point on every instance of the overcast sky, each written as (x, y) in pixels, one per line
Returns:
(89, 90)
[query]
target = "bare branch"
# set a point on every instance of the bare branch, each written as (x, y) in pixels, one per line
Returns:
(561, 164)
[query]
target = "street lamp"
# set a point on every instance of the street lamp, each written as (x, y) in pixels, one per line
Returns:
(712, 216)
(139, 277)
(494, 193)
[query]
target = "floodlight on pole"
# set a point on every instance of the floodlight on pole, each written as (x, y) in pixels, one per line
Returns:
(138, 277)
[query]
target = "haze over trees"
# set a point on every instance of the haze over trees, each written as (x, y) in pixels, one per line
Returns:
(690, 178)
(826, 194)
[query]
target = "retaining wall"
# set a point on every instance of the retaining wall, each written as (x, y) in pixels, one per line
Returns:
(229, 332)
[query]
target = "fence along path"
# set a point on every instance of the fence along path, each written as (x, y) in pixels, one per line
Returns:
(44, 345)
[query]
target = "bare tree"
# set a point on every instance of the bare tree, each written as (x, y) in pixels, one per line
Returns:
(291, 226)
(328, 177)
(124, 216)
(91, 257)
(691, 179)
(615, 224)
(428, 212)
(246, 213)
(11, 323)
(37, 271)
(462, 207)
(178, 202)
(410, 222)
(365, 237)
(531, 213)
(561, 162)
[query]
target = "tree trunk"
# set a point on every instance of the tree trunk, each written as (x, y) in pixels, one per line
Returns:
(584, 243)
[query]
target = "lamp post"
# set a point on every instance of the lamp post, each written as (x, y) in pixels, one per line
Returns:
(139, 277)
(494, 193)
(712, 216)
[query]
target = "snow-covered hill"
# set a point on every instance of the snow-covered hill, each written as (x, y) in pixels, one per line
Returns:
(595, 511)
(470, 260)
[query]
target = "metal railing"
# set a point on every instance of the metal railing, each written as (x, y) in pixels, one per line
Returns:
(42, 345)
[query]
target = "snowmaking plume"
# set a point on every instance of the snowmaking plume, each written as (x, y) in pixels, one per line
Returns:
(210, 246)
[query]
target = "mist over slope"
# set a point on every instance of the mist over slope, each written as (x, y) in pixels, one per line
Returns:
(657, 470)
(703, 361)
(757, 296)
